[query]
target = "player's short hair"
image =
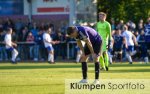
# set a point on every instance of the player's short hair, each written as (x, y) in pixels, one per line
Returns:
(102, 13)
(46, 27)
(70, 30)
(8, 29)
(125, 27)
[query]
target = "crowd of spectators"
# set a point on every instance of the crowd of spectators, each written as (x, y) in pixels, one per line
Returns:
(141, 30)
(28, 36)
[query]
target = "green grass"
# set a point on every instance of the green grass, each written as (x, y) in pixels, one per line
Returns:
(43, 78)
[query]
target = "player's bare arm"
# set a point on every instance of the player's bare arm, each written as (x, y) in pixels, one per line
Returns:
(87, 41)
(134, 40)
(52, 42)
(14, 44)
(89, 44)
(80, 45)
(125, 42)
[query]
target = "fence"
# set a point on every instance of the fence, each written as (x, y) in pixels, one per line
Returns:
(36, 52)
(31, 50)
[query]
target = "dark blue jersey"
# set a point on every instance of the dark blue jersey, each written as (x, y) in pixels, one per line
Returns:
(118, 41)
(147, 33)
(141, 40)
(87, 33)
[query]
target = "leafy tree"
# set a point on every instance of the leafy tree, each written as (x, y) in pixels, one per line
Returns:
(125, 9)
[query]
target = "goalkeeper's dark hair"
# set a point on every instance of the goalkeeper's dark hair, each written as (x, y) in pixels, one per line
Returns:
(70, 30)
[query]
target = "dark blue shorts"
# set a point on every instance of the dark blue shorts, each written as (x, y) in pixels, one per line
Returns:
(50, 48)
(118, 49)
(148, 45)
(130, 48)
(77, 48)
(10, 49)
(97, 45)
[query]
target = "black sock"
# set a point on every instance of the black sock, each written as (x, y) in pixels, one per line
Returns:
(84, 70)
(97, 70)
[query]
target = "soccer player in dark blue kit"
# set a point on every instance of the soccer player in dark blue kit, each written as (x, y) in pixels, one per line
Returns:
(147, 36)
(93, 44)
(143, 48)
(119, 42)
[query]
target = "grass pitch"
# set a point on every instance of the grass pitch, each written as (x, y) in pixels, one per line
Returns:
(44, 78)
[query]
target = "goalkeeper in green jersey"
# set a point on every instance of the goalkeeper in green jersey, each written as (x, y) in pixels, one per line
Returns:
(104, 29)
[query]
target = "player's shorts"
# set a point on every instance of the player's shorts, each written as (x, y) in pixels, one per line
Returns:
(117, 49)
(50, 48)
(10, 49)
(130, 49)
(104, 46)
(96, 47)
(148, 45)
(77, 48)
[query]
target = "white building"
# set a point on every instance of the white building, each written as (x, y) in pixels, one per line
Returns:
(54, 10)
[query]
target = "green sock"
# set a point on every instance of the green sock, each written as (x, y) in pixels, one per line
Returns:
(106, 59)
(101, 59)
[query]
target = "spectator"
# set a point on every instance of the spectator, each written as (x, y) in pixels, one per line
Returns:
(30, 40)
(113, 26)
(39, 44)
(8, 23)
(18, 26)
(120, 25)
(34, 29)
(63, 39)
(30, 37)
(22, 47)
(23, 34)
(42, 50)
(3, 54)
(140, 26)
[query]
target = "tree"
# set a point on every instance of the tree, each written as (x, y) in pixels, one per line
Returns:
(125, 9)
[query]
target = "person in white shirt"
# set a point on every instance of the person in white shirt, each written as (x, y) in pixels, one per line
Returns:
(130, 41)
(48, 44)
(10, 45)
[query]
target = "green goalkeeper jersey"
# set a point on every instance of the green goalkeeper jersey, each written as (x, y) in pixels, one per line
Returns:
(104, 29)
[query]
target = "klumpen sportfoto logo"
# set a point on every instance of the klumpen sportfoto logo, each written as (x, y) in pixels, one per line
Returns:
(111, 86)
(105, 86)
